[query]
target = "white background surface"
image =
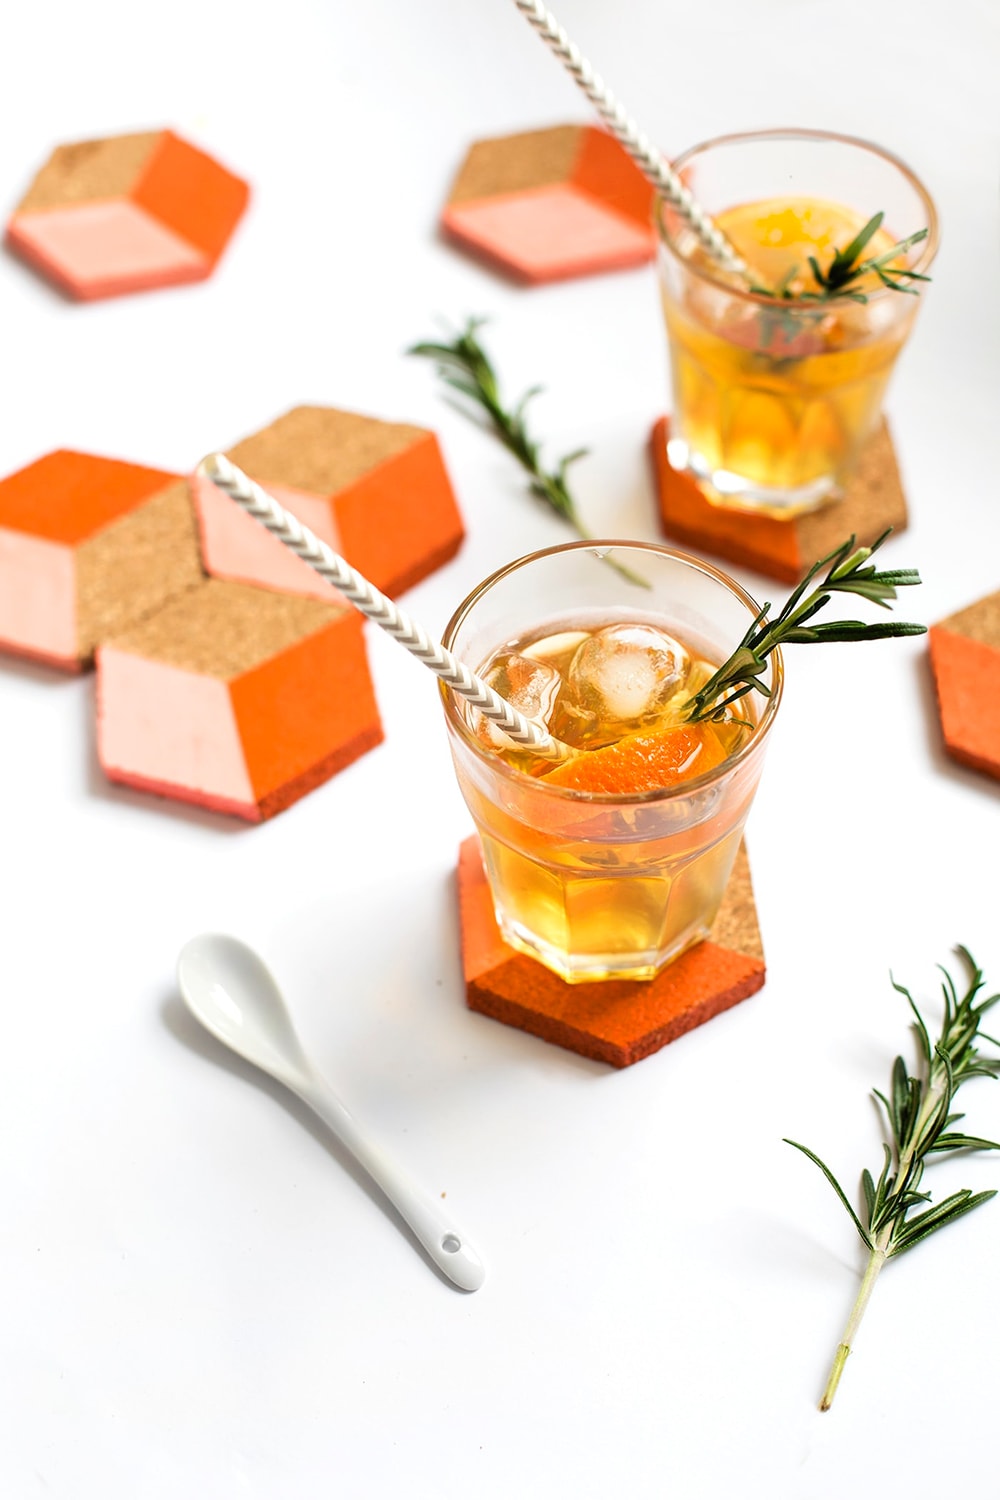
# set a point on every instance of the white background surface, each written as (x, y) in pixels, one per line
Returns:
(197, 1297)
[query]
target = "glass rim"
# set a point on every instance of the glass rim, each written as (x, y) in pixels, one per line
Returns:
(599, 546)
(709, 275)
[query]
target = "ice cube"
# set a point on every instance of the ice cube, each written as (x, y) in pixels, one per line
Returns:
(531, 686)
(620, 680)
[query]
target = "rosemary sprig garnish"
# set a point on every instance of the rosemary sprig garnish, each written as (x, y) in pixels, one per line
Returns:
(846, 574)
(918, 1113)
(847, 268)
(465, 366)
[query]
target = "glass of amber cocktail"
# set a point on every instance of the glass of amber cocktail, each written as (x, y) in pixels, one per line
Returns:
(609, 863)
(773, 398)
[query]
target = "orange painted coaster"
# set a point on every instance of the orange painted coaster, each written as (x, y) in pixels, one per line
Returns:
(782, 549)
(613, 1021)
(89, 545)
(126, 214)
(236, 698)
(965, 661)
(377, 492)
(549, 204)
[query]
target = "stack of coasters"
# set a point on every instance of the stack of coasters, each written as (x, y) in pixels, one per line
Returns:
(874, 500)
(238, 695)
(613, 1021)
(88, 546)
(236, 698)
(549, 204)
(126, 214)
(965, 661)
(377, 492)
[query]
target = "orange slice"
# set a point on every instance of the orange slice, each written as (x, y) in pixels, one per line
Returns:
(642, 762)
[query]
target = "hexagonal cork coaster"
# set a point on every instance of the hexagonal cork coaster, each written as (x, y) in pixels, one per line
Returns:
(89, 545)
(549, 204)
(613, 1021)
(965, 661)
(377, 492)
(126, 214)
(782, 549)
(236, 698)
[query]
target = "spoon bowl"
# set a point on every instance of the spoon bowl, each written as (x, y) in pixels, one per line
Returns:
(230, 990)
(234, 995)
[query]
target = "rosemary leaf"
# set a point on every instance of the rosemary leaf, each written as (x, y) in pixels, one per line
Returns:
(918, 1113)
(464, 366)
(841, 278)
(846, 573)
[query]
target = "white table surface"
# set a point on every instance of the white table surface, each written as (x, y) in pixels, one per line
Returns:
(197, 1295)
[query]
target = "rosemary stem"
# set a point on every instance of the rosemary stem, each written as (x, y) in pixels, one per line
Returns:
(876, 1261)
(882, 1247)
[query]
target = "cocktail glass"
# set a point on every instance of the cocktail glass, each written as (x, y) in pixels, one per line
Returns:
(773, 400)
(601, 885)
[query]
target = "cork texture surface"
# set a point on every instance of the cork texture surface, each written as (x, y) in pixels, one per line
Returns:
(320, 449)
(136, 565)
(225, 629)
(66, 496)
(515, 163)
(979, 621)
(873, 501)
(85, 170)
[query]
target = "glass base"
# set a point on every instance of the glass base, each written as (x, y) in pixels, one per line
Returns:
(729, 491)
(589, 968)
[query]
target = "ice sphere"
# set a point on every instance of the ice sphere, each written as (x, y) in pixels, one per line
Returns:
(531, 686)
(621, 679)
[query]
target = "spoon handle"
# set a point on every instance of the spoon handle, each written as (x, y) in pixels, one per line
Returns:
(434, 1228)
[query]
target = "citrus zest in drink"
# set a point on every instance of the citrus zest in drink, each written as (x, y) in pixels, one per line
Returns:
(779, 377)
(616, 692)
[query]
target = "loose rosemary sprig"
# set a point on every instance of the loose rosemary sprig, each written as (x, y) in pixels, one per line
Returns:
(846, 574)
(847, 268)
(919, 1116)
(465, 366)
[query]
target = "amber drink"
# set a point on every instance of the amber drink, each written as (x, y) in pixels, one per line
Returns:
(773, 399)
(612, 861)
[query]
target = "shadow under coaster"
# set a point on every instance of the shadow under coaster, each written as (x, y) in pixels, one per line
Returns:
(617, 1021)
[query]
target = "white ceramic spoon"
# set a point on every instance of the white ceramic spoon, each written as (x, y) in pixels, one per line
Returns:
(234, 996)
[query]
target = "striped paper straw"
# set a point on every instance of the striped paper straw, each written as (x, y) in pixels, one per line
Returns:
(367, 598)
(652, 163)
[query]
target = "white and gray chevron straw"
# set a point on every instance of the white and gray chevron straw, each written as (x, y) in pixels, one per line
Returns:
(650, 162)
(367, 598)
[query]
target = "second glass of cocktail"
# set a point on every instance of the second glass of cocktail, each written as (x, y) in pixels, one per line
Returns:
(612, 861)
(778, 378)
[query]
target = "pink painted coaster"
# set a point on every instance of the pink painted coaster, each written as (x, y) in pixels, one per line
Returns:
(127, 214)
(377, 492)
(550, 204)
(89, 545)
(238, 699)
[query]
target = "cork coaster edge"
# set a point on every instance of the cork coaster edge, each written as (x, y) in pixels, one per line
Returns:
(778, 548)
(683, 996)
